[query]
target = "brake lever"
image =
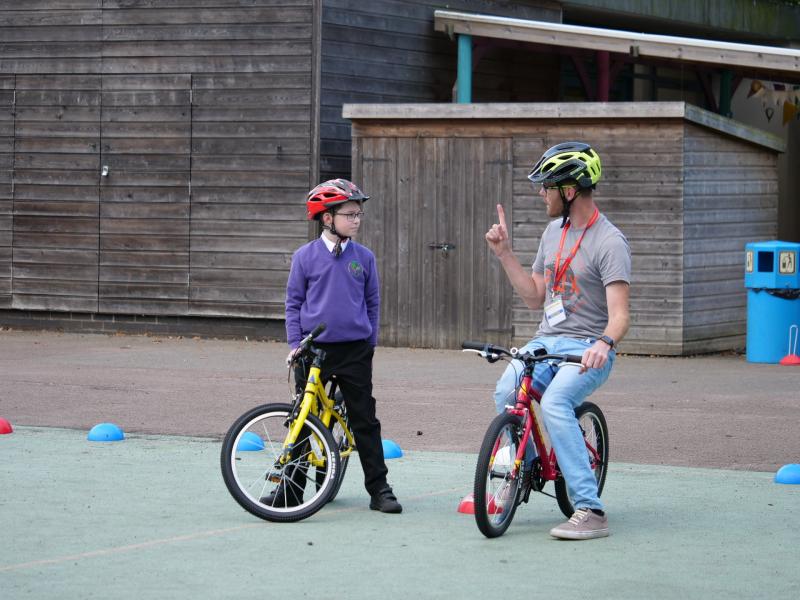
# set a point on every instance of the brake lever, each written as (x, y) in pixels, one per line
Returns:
(492, 358)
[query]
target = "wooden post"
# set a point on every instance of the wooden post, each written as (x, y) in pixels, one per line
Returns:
(464, 81)
(603, 77)
(725, 92)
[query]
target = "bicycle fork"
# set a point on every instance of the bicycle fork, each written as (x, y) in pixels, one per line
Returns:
(527, 407)
(307, 406)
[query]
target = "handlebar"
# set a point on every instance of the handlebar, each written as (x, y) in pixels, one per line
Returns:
(494, 353)
(314, 333)
(303, 347)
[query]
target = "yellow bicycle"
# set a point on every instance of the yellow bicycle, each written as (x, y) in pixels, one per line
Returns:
(285, 461)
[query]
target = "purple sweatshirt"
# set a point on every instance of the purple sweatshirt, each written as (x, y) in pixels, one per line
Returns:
(343, 293)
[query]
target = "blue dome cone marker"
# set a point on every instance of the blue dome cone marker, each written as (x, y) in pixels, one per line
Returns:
(250, 442)
(105, 432)
(391, 449)
(788, 474)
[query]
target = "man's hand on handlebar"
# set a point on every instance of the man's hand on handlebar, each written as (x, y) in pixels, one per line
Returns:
(595, 357)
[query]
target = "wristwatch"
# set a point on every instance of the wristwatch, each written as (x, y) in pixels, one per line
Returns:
(607, 340)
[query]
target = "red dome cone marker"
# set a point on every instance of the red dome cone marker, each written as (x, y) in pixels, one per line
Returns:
(5, 427)
(467, 505)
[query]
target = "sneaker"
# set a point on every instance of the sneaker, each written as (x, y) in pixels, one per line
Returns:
(276, 499)
(385, 501)
(585, 524)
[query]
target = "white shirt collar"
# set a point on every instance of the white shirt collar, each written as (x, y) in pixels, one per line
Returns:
(331, 245)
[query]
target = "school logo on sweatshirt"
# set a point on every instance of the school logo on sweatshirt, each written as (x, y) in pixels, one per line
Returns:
(355, 268)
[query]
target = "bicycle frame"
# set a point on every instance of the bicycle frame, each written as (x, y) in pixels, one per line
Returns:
(316, 401)
(524, 408)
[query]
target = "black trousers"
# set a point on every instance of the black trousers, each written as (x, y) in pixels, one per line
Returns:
(351, 363)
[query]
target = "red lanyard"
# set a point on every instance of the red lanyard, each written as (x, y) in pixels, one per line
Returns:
(559, 274)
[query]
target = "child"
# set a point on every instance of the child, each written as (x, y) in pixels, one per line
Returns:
(334, 280)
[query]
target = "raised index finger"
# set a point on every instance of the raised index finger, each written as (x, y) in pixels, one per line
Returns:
(501, 214)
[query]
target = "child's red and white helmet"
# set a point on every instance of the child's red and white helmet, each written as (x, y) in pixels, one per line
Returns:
(332, 193)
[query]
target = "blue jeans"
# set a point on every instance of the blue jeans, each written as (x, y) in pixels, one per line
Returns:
(564, 389)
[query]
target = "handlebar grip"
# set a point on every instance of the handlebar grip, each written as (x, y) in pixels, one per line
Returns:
(480, 346)
(316, 331)
(572, 358)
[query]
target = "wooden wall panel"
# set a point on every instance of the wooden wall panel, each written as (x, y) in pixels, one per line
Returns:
(56, 197)
(640, 192)
(687, 198)
(397, 56)
(51, 36)
(207, 37)
(251, 155)
(145, 203)
(428, 192)
(731, 198)
(6, 186)
(205, 113)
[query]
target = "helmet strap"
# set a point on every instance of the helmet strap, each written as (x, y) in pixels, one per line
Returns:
(340, 239)
(567, 204)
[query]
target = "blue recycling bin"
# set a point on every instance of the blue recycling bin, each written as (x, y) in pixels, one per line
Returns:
(773, 298)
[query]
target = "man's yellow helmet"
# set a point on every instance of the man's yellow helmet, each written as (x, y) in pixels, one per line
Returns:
(567, 162)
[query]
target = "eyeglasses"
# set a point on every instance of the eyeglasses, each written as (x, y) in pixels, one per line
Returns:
(352, 216)
(547, 188)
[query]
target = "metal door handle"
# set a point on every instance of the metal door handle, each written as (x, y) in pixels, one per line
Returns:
(444, 247)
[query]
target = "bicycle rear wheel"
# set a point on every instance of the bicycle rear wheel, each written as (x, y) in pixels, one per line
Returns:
(496, 490)
(595, 431)
(255, 477)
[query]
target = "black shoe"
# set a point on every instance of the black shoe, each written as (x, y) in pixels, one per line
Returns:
(276, 499)
(385, 501)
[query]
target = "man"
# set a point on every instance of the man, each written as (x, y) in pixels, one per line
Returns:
(581, 277)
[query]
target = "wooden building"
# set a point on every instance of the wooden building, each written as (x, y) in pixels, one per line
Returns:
(154, 156)
(687, 187)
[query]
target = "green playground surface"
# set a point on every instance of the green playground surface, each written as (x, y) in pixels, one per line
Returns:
(149, 517)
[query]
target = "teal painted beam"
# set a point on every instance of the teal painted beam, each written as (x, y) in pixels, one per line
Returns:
(464, 81)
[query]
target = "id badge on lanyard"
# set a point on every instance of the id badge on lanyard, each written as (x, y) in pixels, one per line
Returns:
(554, 311)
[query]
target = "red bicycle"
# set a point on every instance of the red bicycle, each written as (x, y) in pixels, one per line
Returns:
(503, 480)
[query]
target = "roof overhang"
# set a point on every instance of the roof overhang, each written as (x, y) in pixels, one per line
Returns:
(640, 111)
(780, 63)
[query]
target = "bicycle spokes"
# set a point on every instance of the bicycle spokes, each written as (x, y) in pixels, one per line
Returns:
(497, 478)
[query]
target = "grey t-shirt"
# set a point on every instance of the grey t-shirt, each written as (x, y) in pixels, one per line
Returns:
(602, 258)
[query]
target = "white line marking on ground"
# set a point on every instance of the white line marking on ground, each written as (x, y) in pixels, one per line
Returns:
(186, 538)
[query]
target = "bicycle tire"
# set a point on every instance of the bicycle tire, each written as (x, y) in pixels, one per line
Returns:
(339, 437)
(250, 472)
(595, 432)
(496, 502)
(341, 441)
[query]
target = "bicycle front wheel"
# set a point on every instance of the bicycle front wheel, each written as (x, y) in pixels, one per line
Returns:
(496, 489)
(263, 485)
(595, 432)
